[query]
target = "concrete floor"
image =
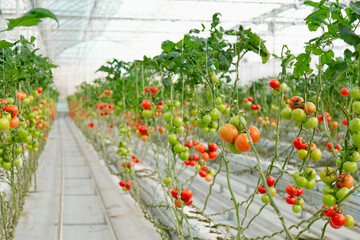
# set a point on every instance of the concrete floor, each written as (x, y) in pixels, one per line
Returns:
(93, 206)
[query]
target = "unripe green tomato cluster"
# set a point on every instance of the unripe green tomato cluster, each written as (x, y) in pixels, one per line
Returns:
(173, 124)
(221, 106)
(124, 130)
(208, 122)
(350, 163)
(299, 116)
(177, 147)
(306, 179)
(123, 149)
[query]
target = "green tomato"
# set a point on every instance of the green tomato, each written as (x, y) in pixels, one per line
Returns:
(227, 111)
(177, 121)
(301, 154)
(356, 139)
(214, 125)
(286, 113)
(172, 139)
(177, 104)
(233, 149)
(6, 165)
(355, 93)
(218, 101)
(328, 175)
(222, 107)
(282, 87)
(301, 181)
(193, 112)
(298, 115)
(316, 155)
(235, 120)
(329, 200)
(180, 129)
(184, 155)
(300, 202)
(214, 78)
(356, 107)
(29, 147)
(200, 123)
(328, 189)
(212, 130)
(275, 91)
(296, 208)
(311, 123)
(18, 150)
(10, 100)
(26, 101)
(349, 221)
(167, 117)
(311, 173)
(265, 198)
(354, 125)
(178, 148)
(28, 139)
(311, 184)
(167, 127)
(167, 181)
(350, 166)
(16, 162)
(342, 193)
(147, 113)
(355, 156)
(205, 129)
(206, 119)
(4, 124)
(296, 175)
(215, 114)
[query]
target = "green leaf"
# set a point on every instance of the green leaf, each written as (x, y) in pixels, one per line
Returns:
(167, 46)
(355, 7)
(4, 44)
(31, 18)
(317, 18)
(348, 35)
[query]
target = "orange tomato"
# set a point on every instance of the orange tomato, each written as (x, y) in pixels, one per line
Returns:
(14, 122)
(228, 133)
(241, 143)
(310, 108)
(254, 134)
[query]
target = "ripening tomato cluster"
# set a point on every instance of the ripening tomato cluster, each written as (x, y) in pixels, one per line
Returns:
(303, 147)
(154, 90)
(207, 153)
(185, 195)
(207, 120)
(270, 181)
(104, 108)
(234, 134)
(126, 186)
(337, 219)
(277, 87)
(294, 198)
(143, 132)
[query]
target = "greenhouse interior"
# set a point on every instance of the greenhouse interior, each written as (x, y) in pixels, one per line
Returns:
(196, 119)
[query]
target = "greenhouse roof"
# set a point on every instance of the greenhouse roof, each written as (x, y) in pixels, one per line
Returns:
(90, 32)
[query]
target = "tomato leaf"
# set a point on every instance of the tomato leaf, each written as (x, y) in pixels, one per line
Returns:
(348, 35)
(4, 44)
(355, 7)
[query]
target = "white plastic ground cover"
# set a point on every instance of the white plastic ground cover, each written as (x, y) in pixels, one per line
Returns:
(201, 227)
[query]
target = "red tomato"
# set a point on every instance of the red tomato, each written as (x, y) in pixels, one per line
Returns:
(299, 143)
(338, 220)
(146, 104)
(122, 183)
(270, 181)
(344, 121)
(290, 200)
(213, 155)
(174, 193)
(213, 147)
(154, 90)
(196, 157)
(205, 156)
(274, 84)
(299, 192)
(329, 212)
(195, 143)
(146, 89)
(250, 99)
(344, 92)
(245, 100)
(291, 190)
(261, 189)
(186, 194)
(202, 173)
